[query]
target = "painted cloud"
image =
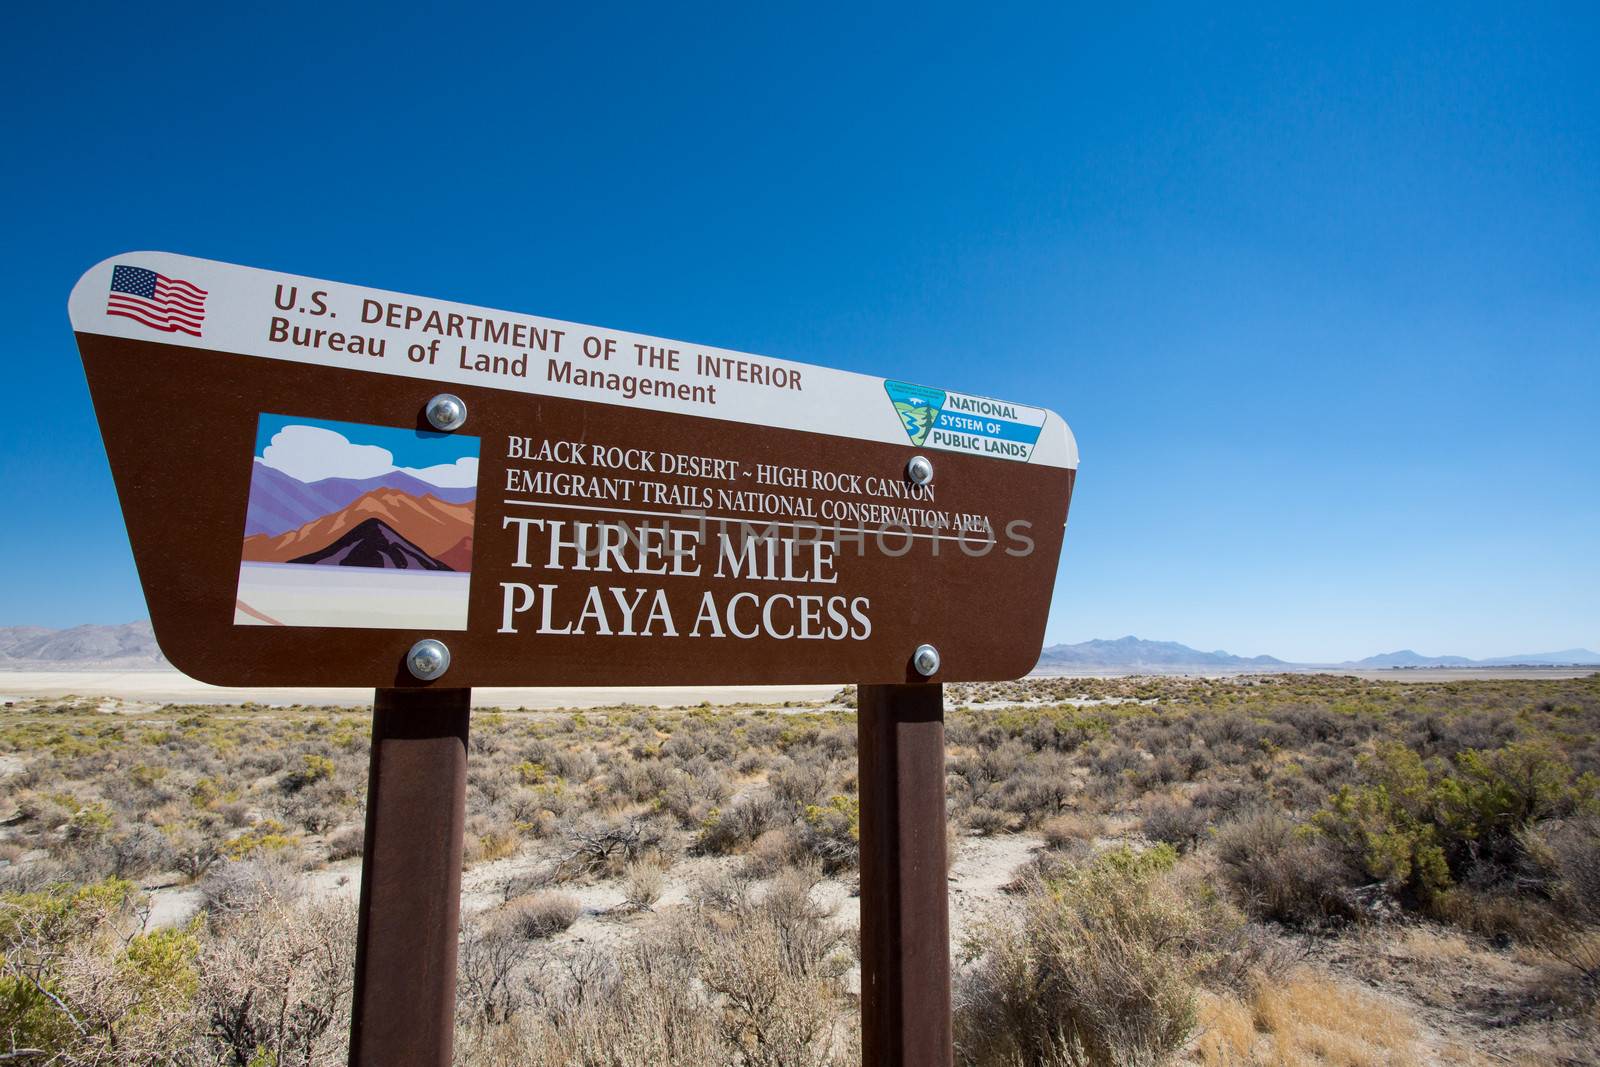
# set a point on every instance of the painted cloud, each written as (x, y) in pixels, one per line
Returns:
(312, 453)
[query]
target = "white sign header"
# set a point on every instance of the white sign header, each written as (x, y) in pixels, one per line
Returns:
(220, 307)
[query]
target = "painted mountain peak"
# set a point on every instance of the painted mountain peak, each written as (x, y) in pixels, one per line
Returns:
(373, 543)
(435, 526)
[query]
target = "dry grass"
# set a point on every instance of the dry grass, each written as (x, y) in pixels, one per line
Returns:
(643, 883)
(1227, 1031)
(1306, 1020)
(1435, 947)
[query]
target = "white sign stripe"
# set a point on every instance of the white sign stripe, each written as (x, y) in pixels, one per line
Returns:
(284, 316)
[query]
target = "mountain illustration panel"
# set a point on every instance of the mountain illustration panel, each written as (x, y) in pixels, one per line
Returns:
(355, 525)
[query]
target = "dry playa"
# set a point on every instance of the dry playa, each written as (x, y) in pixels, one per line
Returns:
(168, 686)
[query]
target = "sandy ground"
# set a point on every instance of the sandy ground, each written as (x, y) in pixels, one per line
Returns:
(172, 687)
(982, 865)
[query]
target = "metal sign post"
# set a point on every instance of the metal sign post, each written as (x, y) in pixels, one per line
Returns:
(403, 1011)
(905, 911)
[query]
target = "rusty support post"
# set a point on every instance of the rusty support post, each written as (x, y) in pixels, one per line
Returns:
(905, 916)
(403, 1013)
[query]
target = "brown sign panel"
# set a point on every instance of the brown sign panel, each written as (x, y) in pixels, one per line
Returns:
(614, 509)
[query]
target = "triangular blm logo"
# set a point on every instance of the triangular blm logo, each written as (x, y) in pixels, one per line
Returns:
(918, 407)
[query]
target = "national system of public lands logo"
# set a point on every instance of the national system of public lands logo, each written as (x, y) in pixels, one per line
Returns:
(918, 407)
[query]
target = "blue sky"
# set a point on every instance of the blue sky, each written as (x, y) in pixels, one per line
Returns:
(1318, 292)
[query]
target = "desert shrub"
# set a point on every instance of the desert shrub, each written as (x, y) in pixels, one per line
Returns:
(240, 887)
(1221, 799)
(1314, 722)
(346, 842)
(1174, 822)
(233, 813)
(1114, 760)
(780, 971)
(727, 830)
(1384, 826)
(1193, 760)
(1567, 855)
(722, 891)
(538, 915)
(140, 850)
(275, 984)
(986, 820)
(1096, 972)
(832, 832)
(317, 806)
(798, 784)
(603, 848)
(998, 764)
(194, 850)
(838, 743)
(643, 883)
(1501, 915)
(574, 764)
(1447, 734)
(1040, 789)
(312, 768)
(1279, 871)
(1071, 831)
(489, 839)
(684, 745)
(1163, 770)
(486, 964)
(693, 793)
(265, 838)
(1418, 828)
(626, 778)
(1487, 799)
(81, 985)
(771, 852)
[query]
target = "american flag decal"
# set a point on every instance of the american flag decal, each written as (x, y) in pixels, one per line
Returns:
(160, 302)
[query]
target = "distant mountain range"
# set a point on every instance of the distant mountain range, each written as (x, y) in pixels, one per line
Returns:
(1133, 654)
(1568, 657)
(132, 646)
(280, 503)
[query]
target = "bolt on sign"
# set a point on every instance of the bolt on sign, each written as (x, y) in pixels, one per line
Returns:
(316, 476)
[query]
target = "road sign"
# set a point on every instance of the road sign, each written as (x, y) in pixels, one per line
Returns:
(600, 507)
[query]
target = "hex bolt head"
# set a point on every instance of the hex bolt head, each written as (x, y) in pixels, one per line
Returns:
(447, 412)
(926, 660)
(920, 470)
(428, 659)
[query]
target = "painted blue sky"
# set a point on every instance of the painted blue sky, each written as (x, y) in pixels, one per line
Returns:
(313, 449)
(1318, 291)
